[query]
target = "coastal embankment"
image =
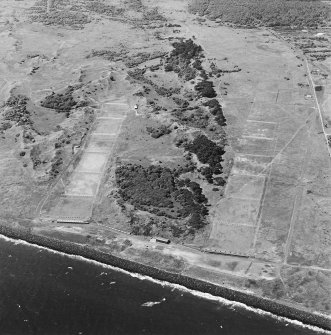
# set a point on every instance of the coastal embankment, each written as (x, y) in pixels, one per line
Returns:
(86, 251)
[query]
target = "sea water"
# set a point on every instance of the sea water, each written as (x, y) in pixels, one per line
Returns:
(47, 292)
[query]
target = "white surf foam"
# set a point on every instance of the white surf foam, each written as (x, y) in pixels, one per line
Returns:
(208, 296)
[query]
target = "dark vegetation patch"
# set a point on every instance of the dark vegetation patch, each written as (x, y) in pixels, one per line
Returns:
(207, 152)
(157, 190)
(186, 49)
(193, 117)
(157, 132)
(4, 126)
(17, 111)
(149, 14)
(103, 9)
(313, 47)
(142, 57)
(61, 102)
(182, 58)
(107, 54)
(152, 186)
(138, 75)
(153, 15)
(74, 19)
(205, 89)
(56, 164)
(65, 143)
(216, 109)
(35, 156)
(270, 13)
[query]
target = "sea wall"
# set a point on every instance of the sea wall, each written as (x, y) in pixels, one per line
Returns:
(271, 306)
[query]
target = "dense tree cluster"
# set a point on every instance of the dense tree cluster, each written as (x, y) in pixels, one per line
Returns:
(208, 152)
(181, 58)
(186, 49)
(191, 207)
(271, 13)
(17, 111)
(152, 186)
(60, 102)
(157, 189)
(216, 109)
(205, 89)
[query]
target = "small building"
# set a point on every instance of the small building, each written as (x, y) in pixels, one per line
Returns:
(319, 34)
(135, 106)
(308, 96)
(73, 220)
(160, 240)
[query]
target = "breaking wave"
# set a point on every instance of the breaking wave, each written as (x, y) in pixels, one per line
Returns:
(152, 303)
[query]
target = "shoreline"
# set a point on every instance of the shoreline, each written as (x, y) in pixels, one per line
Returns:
(271, 306)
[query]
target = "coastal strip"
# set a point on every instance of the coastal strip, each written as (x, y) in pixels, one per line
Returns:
(70, 248)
